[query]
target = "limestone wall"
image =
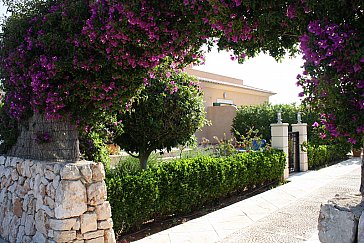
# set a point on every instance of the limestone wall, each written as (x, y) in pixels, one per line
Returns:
(53, 202)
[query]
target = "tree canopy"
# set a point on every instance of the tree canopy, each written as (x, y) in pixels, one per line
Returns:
(167, 113)
(81, 58)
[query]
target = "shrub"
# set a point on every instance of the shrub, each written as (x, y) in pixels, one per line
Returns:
(181, 186)
(323, 155)
(167, 113)
(260, 117)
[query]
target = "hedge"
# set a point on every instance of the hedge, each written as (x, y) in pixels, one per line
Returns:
(323, 155)
(181, 186)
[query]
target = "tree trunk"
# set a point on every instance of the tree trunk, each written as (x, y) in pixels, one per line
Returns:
(47, 140)
(143, 159)
(362, 178)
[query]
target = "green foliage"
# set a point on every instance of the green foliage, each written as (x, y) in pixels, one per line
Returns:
(181, 186)
(8, 130)
(323, 155)
(224, 147)
(93, 148)
(260, 117)
(167, 113)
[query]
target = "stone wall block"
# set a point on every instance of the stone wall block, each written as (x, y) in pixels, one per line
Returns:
(96, 193)
(88, 222)
(13, 228)
(27, 168)
(56, 181)
(27, 239)
(103, 211)
(18, 207)
(50, 191)
(98, 172)
(331, 219)
(36, 184)
(21, 191)
(29, 225)
(14, 161)
(97, 240)
(7, 161)
(39, 238)
(109, 236)
(2, 160)
(70, 172)
(49, 175)
(44, 181)
(86, 172)
(77, 225)
(21, 180)
(62, 224)
(93, 235)
(14, 175)
(67, 194)
(20, 169)
(41, 221)
(49, 202)
(21, 233)
(105, 224)
(12, 187)
(361, 228)
(64, 236)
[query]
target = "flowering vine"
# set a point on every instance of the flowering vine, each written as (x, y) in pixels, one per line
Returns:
(85, 59)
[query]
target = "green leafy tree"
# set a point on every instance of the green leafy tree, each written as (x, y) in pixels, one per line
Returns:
(261, 116)
(167, 113)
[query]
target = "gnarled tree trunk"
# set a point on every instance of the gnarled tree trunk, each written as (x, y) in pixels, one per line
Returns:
(47, 140)
(362, 178)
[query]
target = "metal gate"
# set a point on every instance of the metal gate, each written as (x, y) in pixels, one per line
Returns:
(293, 152)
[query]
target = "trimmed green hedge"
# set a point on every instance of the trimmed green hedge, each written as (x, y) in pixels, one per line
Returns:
(181, 186)
(323, 155)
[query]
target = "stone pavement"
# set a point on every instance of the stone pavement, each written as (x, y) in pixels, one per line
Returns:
(287, 213)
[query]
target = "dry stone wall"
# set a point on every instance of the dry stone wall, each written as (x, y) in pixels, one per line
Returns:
(53, 202)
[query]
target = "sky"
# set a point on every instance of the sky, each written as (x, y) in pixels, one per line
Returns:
(259, 72)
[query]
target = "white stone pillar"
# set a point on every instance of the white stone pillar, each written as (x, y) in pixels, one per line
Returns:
(279, 133)
(301, 128)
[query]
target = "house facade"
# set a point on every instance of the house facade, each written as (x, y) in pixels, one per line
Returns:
(222, 95)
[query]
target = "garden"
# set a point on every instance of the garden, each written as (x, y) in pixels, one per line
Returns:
(113, 71)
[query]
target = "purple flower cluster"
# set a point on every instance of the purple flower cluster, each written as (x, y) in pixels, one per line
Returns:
(333, 77)
(42, 137)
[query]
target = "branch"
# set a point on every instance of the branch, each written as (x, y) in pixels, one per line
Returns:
(133, 155)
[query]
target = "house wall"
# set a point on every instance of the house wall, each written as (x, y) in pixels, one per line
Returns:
(213, 92)
(221, 118)
(223, 89)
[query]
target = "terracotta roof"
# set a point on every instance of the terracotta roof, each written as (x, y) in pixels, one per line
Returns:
(234, 85)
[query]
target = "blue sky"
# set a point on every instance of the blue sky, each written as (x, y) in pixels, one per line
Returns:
(260, 72)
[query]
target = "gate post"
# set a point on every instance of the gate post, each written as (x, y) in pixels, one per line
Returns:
(279, 133)
(301, 128)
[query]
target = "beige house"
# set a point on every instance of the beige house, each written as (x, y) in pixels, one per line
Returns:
(222, 96)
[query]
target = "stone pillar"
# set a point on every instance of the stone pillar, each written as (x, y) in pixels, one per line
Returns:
(279, 133)
(53, 202)
(301, 128)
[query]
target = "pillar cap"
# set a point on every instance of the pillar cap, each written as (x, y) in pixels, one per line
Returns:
(279, 124)
(299, 124)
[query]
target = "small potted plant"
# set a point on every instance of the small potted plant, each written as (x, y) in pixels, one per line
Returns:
(358, 147)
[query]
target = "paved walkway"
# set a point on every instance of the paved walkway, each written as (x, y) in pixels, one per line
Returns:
(287, 213)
